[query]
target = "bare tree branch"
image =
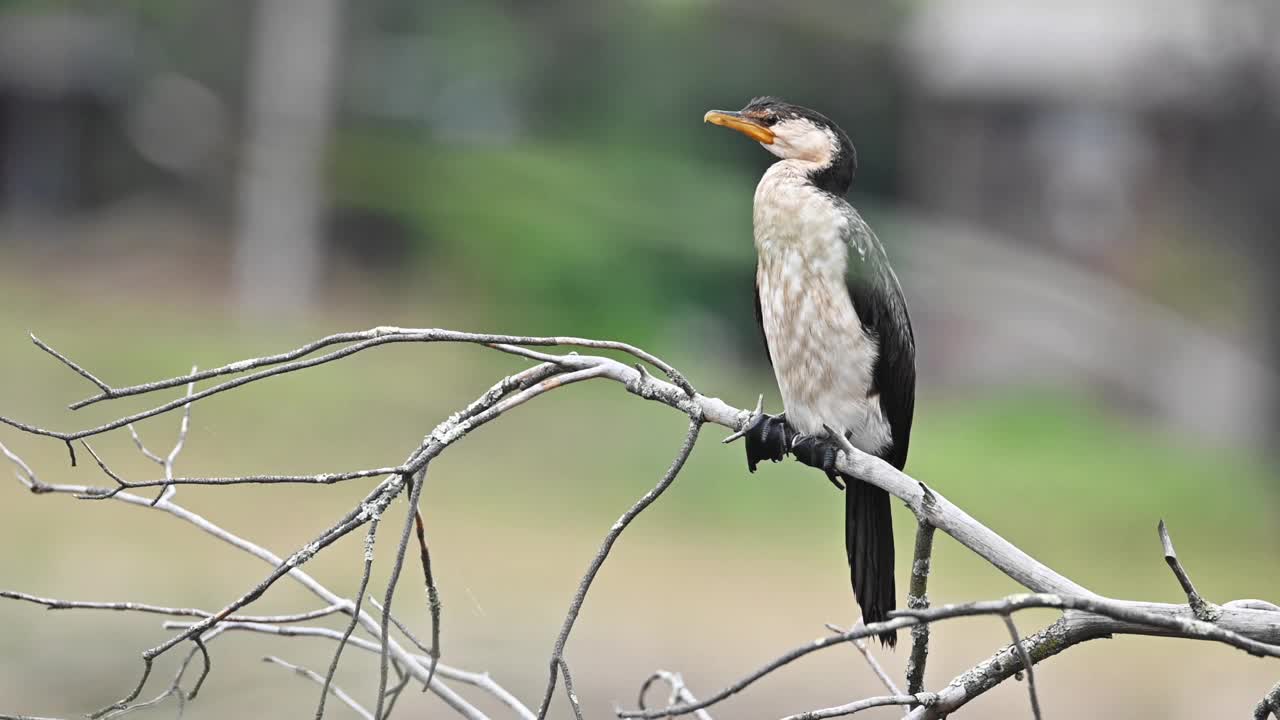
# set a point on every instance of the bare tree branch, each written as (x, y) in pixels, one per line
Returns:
(918, 599)
(166, 462)
(56, 604)
(413, 664)
(1268, 705)
(1251, 625)
(415, 492)
(855, 707)
(1202, 609)
(78, 370)
(557, 654)
(361, 341)
(1115, 610)
(1025, 657)
(369, 539)
(874, 664)
(394, 693)
(569, 691)
(479, 680)
(175, 687)
(679, 693)
(328, 687)
(1115, 617)
(326, 538)
(433, 595)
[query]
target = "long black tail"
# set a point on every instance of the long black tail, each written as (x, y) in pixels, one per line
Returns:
(868, 535)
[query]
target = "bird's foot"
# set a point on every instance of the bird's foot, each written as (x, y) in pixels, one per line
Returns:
(819, 453)
(768, 437)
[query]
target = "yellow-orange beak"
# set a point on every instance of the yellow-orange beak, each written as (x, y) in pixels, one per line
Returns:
(743, 124)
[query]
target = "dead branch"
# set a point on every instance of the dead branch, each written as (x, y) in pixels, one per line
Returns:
(1250, 625)
(1016, 638)
(861, 646)
(325, 683)
(918, 599)
(679, 693)
(1269, 705)
(856, 707)
(558, 663)
(1202, 609)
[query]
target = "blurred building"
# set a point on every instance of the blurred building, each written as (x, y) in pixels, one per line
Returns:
(1125, 138)
(62, 80)
(1076, 123)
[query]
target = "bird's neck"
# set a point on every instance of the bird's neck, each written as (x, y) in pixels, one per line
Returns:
(795, 221)
(833, 175)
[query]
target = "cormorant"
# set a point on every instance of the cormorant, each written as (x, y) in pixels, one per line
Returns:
(835, 326)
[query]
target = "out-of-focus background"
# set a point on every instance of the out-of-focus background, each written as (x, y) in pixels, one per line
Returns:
(1080, 198)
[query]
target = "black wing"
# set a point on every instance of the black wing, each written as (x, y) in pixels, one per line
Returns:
(882, 309)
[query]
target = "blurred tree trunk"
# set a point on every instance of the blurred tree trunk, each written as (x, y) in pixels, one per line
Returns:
(281, 192)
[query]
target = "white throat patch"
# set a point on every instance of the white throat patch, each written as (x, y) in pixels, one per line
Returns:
(800, 139)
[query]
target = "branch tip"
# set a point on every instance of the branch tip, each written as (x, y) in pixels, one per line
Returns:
(1202, 609)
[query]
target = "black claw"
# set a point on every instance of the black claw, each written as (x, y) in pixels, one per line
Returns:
(821, 454)
(767, 439)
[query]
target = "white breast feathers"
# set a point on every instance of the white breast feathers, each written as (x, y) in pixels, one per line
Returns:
(822, 357)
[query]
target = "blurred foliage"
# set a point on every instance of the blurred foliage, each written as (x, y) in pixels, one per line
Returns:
(642, 230)
(488, 136)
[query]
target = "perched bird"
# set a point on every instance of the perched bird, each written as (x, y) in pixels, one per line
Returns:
(835, 326)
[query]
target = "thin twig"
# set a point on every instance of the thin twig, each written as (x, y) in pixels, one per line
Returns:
(353, 520)
(394, 693)
(569, 691)
(918, 599)
(57, 604)
(415, 492)
(65, 361)
(1114, 609)
(479, 680)
(362, 341)
(415, 666)
(557, 653)
(175, 687)
(316, 479)
(874, 664)
(315, 677)
(1016, 638)
(401, 627)
(25, 474)
(433, 595)
(906, 618)
(445, 434)
(1108, 616)
(855, 707)
(679, 692)
(369, 539)
(1201, 608)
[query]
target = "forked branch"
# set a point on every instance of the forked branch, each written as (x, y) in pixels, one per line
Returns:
(1253, 626)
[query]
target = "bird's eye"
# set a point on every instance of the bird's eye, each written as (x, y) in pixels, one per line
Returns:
(769, 119)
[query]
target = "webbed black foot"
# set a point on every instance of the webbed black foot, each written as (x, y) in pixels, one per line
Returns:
(768, 438)
(819, 453)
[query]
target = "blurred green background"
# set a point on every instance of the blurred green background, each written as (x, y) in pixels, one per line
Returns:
(1077, 197)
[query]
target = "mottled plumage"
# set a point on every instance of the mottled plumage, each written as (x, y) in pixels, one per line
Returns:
(835, 323)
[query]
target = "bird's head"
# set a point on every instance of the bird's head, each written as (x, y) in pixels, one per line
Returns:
(806, 137)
